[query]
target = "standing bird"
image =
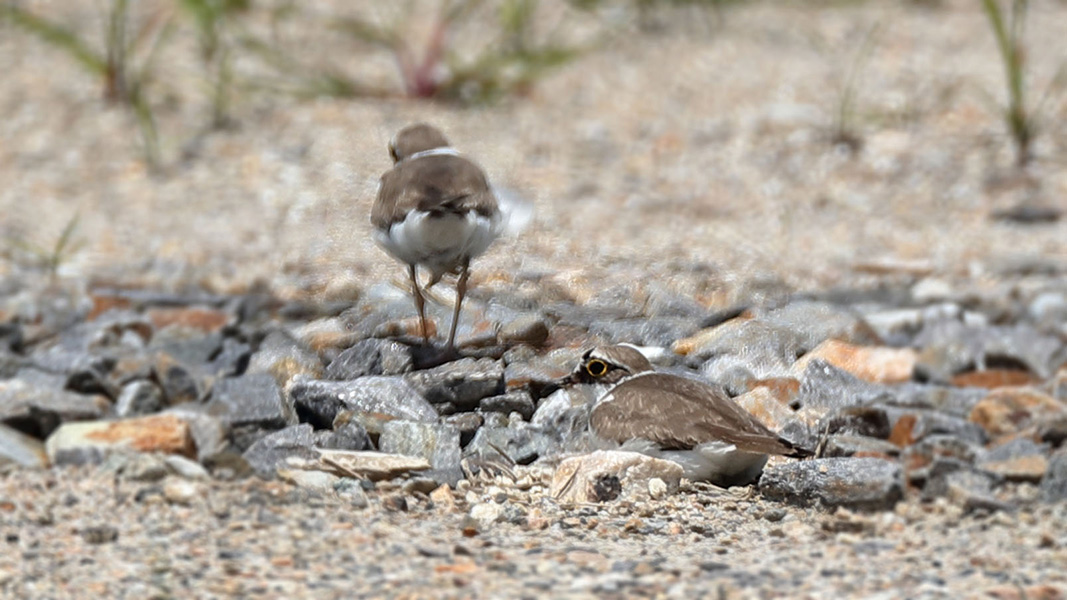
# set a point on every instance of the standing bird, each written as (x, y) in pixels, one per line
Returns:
(434, 209)
(688, 421)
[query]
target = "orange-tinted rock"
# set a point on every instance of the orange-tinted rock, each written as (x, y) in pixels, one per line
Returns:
(1033, 592)
(766, 407)
(903, 432)
(1022, 468)
(202, 319)
(158, 433)
(1009, 410)
(406, 327)
(877, 364)
(994, 378)
(104, 303)
(784, 389)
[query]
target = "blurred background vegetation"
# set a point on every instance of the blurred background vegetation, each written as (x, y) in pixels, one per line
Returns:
(460, 51)
(217, 63)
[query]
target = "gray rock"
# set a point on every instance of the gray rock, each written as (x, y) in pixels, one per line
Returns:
(520, 445)
(316, 481)
(139, 398)
(848, 445)
(11, 337)
(864, 421)
(516, 401)
(1048, 309)
(187, 345)
(565, 416)
(768, 350)
(962, 485)
(370, 357)
(1019, 459)
(651, 331)
(955, 401)
(950, 347)
(350, 435)
(270, 452)
(210, 433)
(930, 422)
(374, 466)
(381, 304)
(524, 329)
(91, 442)
(1054, 429)
(18, 448)
(732, 372)
(467, 424)
(815, 321)
(42, 379)
(136, 466)
(232, 359)
(438, 443)
(825, 387)
(185, 468)
(10, 364)
(462, 383)
(1054, 485)
(90, 376)
(662, 302)
(253, 399)
(603, 476)
(319, 402)
(540, 374)
(855, 483)
(92, 339)
(922, 455)
(37, 411)
(895, 326)
(180, 382)
(284, 357)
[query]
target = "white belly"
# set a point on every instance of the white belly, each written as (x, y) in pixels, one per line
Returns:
(438, 243)
(717, 462)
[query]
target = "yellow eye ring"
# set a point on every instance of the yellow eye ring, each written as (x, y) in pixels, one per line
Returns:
(596, 367)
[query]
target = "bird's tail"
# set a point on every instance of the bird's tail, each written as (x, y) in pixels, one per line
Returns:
(516, 213)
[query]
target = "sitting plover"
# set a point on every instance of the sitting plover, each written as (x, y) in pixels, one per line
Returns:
(691, 422)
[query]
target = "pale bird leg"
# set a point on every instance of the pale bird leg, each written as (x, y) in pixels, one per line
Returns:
(420, 304)
(461, 290)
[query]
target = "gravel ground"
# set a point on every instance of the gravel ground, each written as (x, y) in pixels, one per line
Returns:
(72, 534)
(716, 173)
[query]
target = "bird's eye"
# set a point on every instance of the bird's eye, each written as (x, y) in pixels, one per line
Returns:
(596, 367)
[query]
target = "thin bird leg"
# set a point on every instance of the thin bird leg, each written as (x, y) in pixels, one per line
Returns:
(420, 304)
(461, 290)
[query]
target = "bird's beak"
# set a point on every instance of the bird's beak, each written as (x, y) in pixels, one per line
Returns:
(570, 380)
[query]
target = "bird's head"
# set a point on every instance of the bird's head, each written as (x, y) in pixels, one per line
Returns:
(416, 138)
(609, 365)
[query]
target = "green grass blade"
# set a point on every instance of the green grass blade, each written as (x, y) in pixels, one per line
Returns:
(57, 36)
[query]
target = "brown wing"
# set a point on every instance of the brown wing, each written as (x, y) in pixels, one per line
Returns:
(440, 182)
(679, 413)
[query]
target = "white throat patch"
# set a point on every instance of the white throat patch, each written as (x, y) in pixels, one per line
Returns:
(443, 150)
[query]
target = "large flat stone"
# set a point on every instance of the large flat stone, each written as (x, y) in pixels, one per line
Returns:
(38, 410)
(857, 483)
(462, 383)
(319, 402)
(438, 443)
(89, 442)
(253, 399)
(21, 449)
(605, 475)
